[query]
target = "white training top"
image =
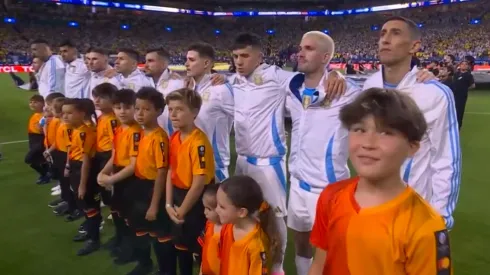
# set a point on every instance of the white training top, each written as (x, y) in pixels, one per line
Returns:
(77, 77)
(51, 76)
(435, 170)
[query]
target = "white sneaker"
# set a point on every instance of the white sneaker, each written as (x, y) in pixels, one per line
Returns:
(56, 192)
(57, 187)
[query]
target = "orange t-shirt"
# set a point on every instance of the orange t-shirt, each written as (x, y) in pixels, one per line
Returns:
(82, 142)
(152, 154)
(33, 126)
(106, 127)
(126, 142)
(210, 248)
(247, 256)
(63, 137)
(193, 156)
(51, 130)
(402, 236)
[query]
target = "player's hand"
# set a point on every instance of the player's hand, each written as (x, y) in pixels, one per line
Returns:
(47, 156)
(335, 85)
(110, 73)
(217, 79)
(81, 191)
(179, 214)
(103, 180)
(425, 75)
(151, 214)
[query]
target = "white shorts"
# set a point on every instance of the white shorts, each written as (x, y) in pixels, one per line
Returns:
(272, 180)
(221, 174)
(301, 207)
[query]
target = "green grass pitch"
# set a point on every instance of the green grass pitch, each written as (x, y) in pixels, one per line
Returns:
(34, 241)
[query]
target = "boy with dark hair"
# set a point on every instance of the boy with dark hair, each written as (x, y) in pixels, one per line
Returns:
(34, 156)
(386, 227)
(146, 215)
(119, 171)
(107, 123)
(191, 170)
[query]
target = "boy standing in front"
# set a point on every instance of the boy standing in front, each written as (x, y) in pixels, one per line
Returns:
(376, 223)
(191, 170)
(34, 156)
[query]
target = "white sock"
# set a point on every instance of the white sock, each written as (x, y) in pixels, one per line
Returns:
(283, 233)
(302, 265)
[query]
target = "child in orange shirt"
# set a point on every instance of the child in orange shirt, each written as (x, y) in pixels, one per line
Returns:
(191, 171)
(375, 223)
(249, 236)
(34, 156)
(77, 113)
(211, 235)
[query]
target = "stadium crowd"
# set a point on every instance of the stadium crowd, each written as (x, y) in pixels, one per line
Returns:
(446, 29)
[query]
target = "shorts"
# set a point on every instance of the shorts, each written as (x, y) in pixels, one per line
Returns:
(221, 174)
(119, 202)
(301, 207)
(137, 195)
(91, 200)
(185, 236)
(271, 176)
(100, 160)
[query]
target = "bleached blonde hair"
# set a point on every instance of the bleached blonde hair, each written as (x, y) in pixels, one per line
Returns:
(324, 40)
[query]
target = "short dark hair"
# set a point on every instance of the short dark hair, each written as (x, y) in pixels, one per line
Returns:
(58, 103)
(125, 96)
(247, 39)
(130, 52)
(37, 98)
(203, 49)
(160, 52)
(105, 90)
(190, 98)
(390, 108)
(49, 98)
(97, 50)
(40, 41)
(152, 95)
(412, 26)
(212, 190)
(67, 43)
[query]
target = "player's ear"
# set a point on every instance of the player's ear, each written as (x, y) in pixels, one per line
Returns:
(415, 46)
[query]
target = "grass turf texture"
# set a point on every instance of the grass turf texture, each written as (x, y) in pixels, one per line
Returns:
(34, 241)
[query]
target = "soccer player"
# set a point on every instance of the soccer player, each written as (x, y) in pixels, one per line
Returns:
(81, 174)
(210, 239)
(216, 114)
(162, 79)
(77, 75)
(107, 123)
(375, 223)
(34, 156)
(52, 72)
(249, 236)
(318, 154)
(98, 61)
(435, 170)
(119, 171)
(129, 75)
(146, 214)
(191, 170)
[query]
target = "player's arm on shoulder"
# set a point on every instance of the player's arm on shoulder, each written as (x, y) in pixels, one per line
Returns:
(428, 251)
(445, 149)
(227, 99)
(335, 85)
(202, 162)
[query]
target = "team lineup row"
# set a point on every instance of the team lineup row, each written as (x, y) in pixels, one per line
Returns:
(254, 101)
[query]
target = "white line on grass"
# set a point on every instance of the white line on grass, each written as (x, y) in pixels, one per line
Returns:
(478, 113)
(13, 142)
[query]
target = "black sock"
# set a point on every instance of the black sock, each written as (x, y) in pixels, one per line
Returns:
(93, 227)
(37, 167)
(186, 262)
(118, 224)
(166, 255)
(142, 248)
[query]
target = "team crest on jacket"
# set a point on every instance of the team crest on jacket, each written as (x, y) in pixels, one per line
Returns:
(164, 84)
(131, 86)
(205, 96)
(258, 80)
(326, 103)
(106, 79)
(306, 101)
